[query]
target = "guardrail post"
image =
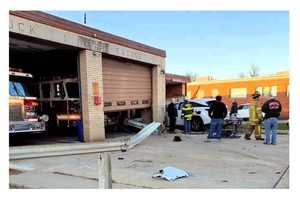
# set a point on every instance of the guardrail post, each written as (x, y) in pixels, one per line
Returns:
(104, 168)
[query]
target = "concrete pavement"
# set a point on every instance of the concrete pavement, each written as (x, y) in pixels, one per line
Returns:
(229, 163)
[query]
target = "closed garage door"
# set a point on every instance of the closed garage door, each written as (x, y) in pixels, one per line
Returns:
(127, 85)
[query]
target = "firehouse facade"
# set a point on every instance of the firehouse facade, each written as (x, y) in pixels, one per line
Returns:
(116, 76)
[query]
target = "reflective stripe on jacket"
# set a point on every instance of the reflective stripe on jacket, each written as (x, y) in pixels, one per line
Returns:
(187, 111)
(255, 114)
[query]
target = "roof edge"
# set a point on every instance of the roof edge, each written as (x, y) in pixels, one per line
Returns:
(75, 27)
(170, 76)
(239, 80)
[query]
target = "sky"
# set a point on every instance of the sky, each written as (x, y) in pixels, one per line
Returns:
(222, 44)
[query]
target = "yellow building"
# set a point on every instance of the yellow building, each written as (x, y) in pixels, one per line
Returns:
(241, 89)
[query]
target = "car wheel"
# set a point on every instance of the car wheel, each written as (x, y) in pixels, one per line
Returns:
(197, 124)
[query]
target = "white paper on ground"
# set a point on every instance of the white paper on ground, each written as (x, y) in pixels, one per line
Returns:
(171, 174)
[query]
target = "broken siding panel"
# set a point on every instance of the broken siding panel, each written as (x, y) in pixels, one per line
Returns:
(126, 85)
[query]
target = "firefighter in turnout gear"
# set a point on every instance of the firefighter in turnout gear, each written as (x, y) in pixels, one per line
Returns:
(187, 113)
(255, 118)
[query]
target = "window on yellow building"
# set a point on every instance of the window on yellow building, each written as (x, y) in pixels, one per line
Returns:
(200, 94)
(260, 90)
(266, 91)
(189, 94)
(238, 93)
(214, 93)
(288, 90)
(274, 91)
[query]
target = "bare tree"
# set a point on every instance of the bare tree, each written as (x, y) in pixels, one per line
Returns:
(254, 71)
(242, 75)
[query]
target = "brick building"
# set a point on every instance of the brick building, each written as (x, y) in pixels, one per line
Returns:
(114, 74)
(176, 86)
(241, 89)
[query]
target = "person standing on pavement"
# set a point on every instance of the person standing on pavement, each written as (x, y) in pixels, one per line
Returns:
(255, 118)
(187, 113)
(233, 117)
(217, 112)
(234, 108)
(272, 109)
(172, 113)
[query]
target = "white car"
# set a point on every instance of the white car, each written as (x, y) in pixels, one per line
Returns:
(200, 118)
(243, 112)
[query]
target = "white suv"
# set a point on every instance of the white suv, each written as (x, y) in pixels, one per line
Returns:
(243, 112)
(200, 118)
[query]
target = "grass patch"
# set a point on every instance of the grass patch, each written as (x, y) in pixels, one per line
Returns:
(283, 126)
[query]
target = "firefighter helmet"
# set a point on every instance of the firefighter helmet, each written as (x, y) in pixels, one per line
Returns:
(256, 95)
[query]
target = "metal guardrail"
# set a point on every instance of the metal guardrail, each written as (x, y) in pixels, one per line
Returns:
(137, 123)
(143, 134)
(82, 148)
(104, 161)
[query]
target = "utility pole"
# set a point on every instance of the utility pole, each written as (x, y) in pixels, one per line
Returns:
(84, 18)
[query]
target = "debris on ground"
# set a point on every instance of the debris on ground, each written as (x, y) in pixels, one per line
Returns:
(234, 137)
(177, 139)
(147, 161)
(212, 140)
(171, 174)
(15, 172)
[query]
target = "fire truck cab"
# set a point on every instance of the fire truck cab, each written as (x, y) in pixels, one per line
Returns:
(24, 116)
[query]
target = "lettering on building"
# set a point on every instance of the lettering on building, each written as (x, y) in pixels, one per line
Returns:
(91, 44)
(35, 30)
(22, 27)
(32, 29)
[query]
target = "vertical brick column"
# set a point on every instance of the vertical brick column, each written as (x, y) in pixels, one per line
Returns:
(158, 92)
(90, 76)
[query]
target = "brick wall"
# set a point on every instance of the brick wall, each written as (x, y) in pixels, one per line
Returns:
(284, 100)
(158, 92)
(224, 88)
(93, 115)
(174, 91)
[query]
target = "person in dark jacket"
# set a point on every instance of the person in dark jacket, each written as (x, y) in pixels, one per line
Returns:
(172, 113)
(217, 112)
(272, 109)
(234, 108)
